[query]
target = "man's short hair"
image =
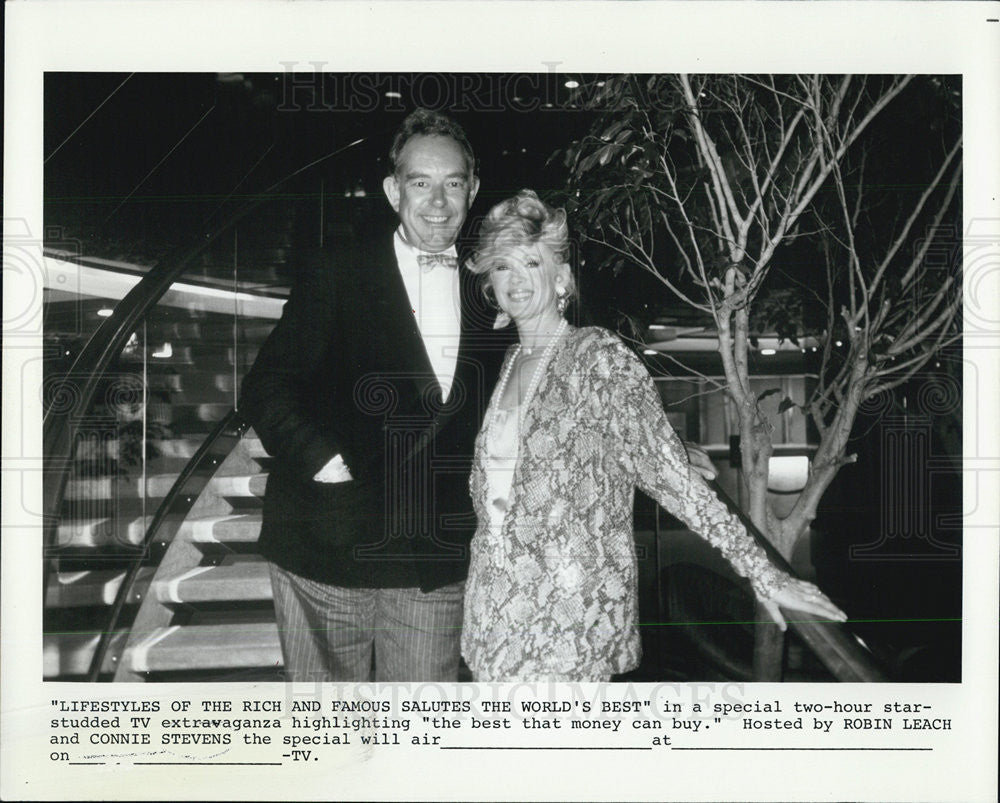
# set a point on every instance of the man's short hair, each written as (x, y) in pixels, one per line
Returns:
(428, 123)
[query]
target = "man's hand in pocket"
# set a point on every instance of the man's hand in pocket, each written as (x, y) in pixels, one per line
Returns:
(334, 471)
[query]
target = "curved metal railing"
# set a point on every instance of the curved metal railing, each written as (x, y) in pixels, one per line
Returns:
(174, 507)
(832, 643)
(83, 383)
(59, 429)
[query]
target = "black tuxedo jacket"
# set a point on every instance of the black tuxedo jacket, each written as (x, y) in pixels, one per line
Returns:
(346, 371)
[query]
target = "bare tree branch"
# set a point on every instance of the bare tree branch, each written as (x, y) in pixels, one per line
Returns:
(903, 237)
(741, 168)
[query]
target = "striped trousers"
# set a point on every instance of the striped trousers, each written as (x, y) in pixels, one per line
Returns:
(334, 634)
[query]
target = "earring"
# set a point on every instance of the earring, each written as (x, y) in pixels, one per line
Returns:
(503, 319)
(561, 301)
(491, 299)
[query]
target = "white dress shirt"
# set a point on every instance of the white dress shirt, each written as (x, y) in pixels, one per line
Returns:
(435, 300)
(502, 433)
(436, 303)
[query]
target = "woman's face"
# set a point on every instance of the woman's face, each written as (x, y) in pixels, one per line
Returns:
(525, 278)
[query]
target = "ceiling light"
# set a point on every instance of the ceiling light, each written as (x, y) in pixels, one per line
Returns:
(393, 95)
(768, 352)
(104, 312)
(571, 84)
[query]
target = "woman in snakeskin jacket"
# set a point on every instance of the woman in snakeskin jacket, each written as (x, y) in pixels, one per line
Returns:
(574, 426)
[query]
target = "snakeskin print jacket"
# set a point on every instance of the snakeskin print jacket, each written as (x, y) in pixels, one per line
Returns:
(552, 593)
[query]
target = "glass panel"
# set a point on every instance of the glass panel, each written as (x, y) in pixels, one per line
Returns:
(136, 167)
(177, 376)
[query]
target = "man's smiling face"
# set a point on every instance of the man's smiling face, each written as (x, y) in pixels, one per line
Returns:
(431, 191)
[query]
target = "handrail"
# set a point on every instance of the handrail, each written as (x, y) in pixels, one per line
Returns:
(59, 430)
(832, 643)
(166, 507)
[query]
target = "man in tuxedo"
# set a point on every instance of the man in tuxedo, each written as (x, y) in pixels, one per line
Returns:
(368, 395)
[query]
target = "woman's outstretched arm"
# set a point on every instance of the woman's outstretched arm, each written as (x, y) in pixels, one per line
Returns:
(655, 455)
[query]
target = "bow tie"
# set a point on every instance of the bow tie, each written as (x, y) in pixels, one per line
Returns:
(428, 262)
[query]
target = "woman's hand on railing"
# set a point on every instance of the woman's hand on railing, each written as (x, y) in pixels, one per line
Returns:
(700, 461)
(799, 595)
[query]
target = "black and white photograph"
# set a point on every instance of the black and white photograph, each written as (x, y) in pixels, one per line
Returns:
(370, 410)
(749, 279)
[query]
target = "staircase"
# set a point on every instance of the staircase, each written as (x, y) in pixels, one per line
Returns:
(200, 607)
(177, 376)
(114, 490)
(208, 614)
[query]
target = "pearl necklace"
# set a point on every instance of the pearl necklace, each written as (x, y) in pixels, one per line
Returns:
(536, 375)
(529, 351)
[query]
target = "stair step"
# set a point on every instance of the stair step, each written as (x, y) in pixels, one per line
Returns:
(240, 486)
(210, 331)
(259, 274)
(235, 529)
(100, 532)
(210, 413)
(167, 465)
(67, 654)
(171, 455)
(190, 397)
(154, 487)
(193, 383)
(160, 358)
(178, 447)
(192, 427)
(239, 581)
(203, 355)
(169, 380)
(120, 508)
(227, 646)
(96, 449)
(255, 448)
(167, 455)
(244, 355)
(94, 587)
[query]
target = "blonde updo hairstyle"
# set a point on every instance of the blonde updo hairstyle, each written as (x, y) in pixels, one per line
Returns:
(523, 220)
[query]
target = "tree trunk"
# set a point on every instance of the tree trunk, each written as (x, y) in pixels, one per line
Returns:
(768, 648)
